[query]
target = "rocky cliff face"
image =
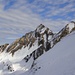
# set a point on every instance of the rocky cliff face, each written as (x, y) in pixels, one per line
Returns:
(3, 47)
(41, 34)
(50, 43)
(45, 38)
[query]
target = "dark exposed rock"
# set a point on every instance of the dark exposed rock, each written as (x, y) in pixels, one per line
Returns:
(41, 34)
(17, 48)
(3, 47)
(55, 39)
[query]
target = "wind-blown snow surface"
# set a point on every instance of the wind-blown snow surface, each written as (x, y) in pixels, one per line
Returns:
(60, 60)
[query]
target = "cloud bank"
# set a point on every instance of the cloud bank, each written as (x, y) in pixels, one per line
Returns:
(20, 16)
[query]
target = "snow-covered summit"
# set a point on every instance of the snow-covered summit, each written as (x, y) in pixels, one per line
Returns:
(71, 26)
(21, 56)
(32, 39)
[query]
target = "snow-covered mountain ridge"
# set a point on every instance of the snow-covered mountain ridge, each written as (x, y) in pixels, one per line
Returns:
(22, 54)
(50, 43)
(28, 39)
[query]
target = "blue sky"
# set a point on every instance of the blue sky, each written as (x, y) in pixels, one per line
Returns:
(20, 16)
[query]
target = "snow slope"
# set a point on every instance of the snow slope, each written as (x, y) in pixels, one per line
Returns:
(60, 60)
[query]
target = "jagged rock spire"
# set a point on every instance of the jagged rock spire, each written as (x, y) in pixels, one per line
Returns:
(40, 27)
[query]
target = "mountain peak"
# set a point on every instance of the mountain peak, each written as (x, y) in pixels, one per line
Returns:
(31, 46)
(40, 26)
(70, 26)
(41, 35)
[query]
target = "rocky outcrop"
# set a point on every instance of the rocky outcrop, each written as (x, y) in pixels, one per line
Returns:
(50, 43)
(45, 38)
(65, 31)
(3, 47)
(41, 34)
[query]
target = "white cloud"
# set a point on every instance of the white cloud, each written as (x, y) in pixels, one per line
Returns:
(56, 10)
(20, 18)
